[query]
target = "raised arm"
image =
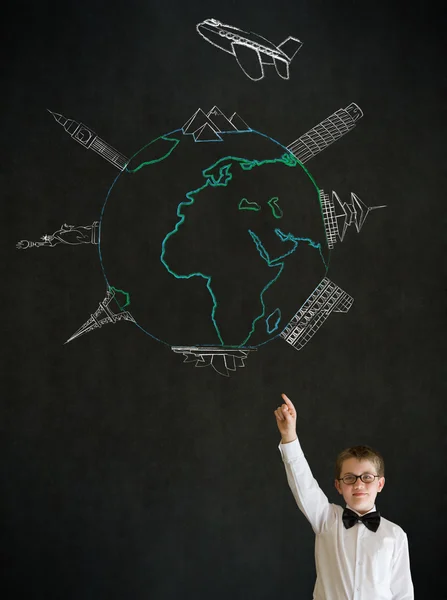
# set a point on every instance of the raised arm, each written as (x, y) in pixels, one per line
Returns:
(286, 420)
(312, 502)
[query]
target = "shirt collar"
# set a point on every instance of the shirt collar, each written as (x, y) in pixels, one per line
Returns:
(357, 513)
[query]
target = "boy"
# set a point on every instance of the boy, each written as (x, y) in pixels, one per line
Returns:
(358, 554)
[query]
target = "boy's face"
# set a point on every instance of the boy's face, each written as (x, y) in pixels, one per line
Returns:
(360, 496)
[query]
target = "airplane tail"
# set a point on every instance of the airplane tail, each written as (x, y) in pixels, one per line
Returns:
(290, 46)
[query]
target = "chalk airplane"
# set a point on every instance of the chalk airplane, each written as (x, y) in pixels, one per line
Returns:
(251, 50)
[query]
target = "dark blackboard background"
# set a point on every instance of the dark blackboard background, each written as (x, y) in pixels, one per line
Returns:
(126, 474)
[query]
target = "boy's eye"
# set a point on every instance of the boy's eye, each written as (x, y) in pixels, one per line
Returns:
(276, 209)
(365, 477)
(245, 204)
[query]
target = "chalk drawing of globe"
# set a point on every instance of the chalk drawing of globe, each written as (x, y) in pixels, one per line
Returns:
(216, 241)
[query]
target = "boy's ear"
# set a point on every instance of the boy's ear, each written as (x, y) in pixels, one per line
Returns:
(381, 484)
(337, 486)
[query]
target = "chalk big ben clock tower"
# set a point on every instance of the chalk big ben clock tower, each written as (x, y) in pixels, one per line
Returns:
(88, 138)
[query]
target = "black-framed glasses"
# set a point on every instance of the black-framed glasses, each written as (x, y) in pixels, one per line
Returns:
(365, 477)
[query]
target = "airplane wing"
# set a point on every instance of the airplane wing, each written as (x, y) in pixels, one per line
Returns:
(282, 68)
(249, 61)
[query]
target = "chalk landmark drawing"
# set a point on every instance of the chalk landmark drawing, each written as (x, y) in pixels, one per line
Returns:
(222, 360)
(110, 310)
(88, 138)
(67, 234)
(326, 133)
(250, 50)
(337, 220)
(203, 230)
(326, 298)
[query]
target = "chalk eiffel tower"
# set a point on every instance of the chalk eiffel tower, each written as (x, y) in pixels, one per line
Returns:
(105, 313)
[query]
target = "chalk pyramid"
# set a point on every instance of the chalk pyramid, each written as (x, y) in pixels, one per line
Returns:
(197, 121)
(220, 120)
(239, 123)
(206, 134)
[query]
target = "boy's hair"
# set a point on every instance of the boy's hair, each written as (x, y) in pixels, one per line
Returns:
(360, 453)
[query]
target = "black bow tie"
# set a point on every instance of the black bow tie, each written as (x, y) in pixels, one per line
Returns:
(370, 520)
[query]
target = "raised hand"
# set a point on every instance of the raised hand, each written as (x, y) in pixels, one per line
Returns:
(286, 420)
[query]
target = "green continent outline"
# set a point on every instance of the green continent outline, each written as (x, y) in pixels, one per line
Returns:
(222, 180)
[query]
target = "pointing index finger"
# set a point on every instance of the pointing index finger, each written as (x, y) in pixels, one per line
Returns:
(287, 401)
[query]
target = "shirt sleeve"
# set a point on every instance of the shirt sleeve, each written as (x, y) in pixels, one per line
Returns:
(401, 583)
(310, 499)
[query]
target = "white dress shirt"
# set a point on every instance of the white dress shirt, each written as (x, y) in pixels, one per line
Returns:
(355, 563)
